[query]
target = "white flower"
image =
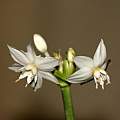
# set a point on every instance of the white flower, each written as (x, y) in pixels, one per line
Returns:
(33, 67)
(40, 44)
(91, 68)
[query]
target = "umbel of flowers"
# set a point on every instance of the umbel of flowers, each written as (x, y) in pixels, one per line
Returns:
(61, 71)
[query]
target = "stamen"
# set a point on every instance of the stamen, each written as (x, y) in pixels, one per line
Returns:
(26, 85)
(16, 81)
(96, 83)
(108, 80)
(100, 76)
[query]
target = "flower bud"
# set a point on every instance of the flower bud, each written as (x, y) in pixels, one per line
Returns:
(57, 55)
(40, 43)
(70, 54)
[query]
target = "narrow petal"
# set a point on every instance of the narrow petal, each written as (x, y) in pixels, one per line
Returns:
(25, 74)
(104, 66)
(81, 75)
(18, 56)
(15, 67)
(29, 79)
(47, 63)
(83, 61)
(100, 54)
(34, 81)
(48, 76)
(38, 83)
(30, 52)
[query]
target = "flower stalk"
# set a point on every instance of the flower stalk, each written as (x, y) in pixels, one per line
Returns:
(67, 102)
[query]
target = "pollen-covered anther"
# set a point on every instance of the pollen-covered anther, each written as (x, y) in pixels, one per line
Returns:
(32, 68)
(100, 77)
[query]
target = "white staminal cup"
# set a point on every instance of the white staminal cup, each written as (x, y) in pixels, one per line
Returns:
(40, 43)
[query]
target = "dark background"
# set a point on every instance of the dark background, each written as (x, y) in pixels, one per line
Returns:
(64, 23)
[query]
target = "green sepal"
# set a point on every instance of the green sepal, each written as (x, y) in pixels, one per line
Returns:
(71, 68)
(60, 75)
(66, 68)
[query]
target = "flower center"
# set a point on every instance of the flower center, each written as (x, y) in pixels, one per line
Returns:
(32, 68)
(100, 76)
(30, 72)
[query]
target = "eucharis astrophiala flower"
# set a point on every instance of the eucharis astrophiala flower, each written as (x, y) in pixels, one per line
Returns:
(92, 68)
(34, 68)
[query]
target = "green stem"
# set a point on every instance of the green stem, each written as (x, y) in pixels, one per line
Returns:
(67, 102)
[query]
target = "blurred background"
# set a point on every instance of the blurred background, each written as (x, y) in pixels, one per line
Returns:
(63, 23)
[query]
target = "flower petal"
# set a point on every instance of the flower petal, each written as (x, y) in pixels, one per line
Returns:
(47, 63)
(83, 61)
(38, 82)
(48, 76)
(30, 52)
(15, 67)
(25, 74)
(100, 54)
(18, 56)
(29, 79)
(104, 66)
(81, 75)
(34, 81)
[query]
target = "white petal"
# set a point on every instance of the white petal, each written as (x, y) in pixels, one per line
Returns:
(104, 66)
(38, 83)
(83, 61)
(15, 67)
(48, 76)
(25, 74)
(81, 75)
(29, 79)
(18, 56)
(34, 81)
(47, 63)
(30, 53)
(100, 54)
(40, 43)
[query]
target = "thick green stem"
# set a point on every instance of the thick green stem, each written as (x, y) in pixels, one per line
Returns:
(67, 102)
